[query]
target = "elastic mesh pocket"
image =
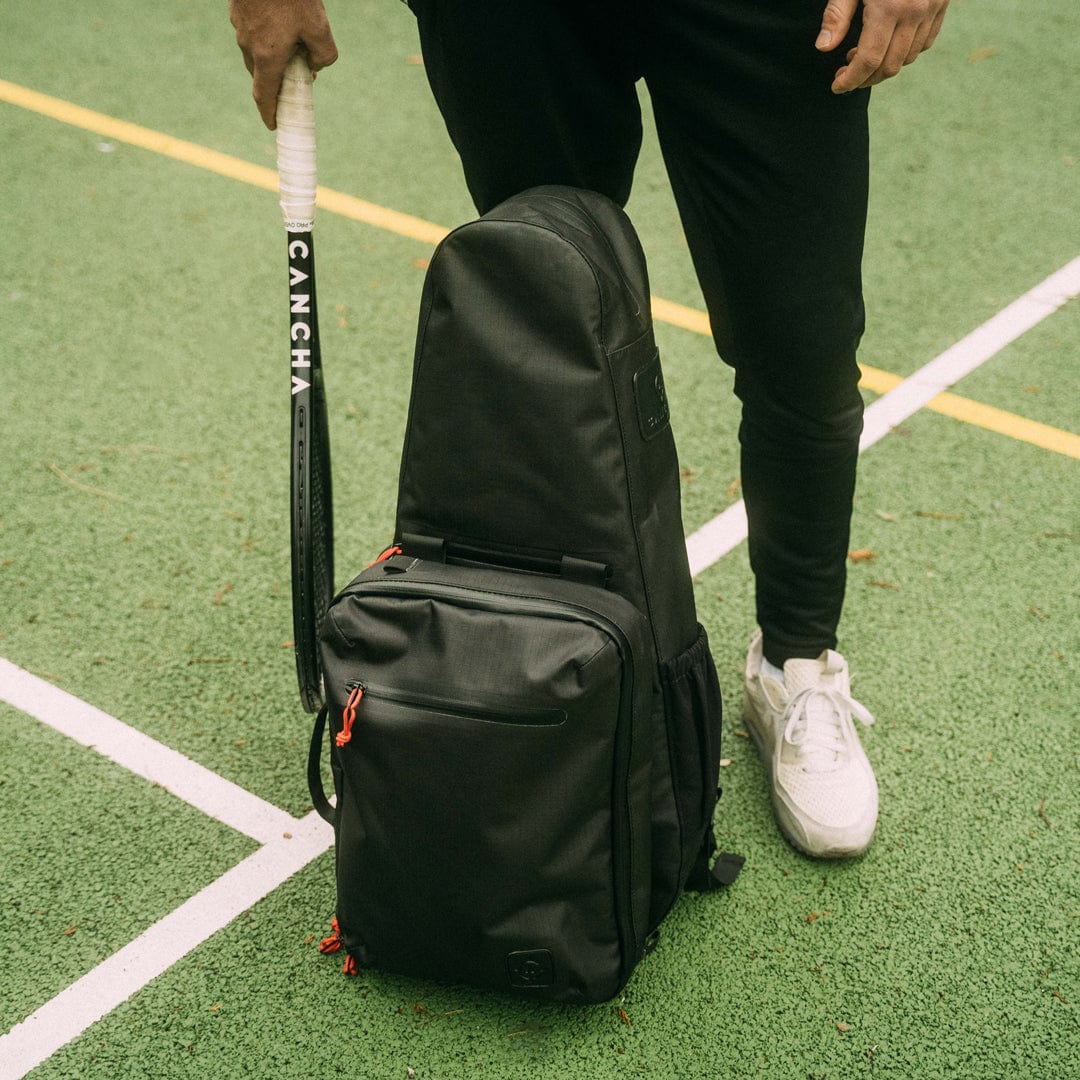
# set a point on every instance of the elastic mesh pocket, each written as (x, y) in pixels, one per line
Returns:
(693, 714)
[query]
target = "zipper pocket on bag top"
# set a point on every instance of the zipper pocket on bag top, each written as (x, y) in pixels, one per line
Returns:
(521, 716)
(512, 603)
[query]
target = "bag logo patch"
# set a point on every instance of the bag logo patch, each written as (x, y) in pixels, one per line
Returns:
(531, 969)
(652, 403)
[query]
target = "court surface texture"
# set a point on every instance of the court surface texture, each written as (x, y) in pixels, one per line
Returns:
(163, 882)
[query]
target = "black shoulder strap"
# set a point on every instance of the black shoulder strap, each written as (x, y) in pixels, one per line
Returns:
(314, 771)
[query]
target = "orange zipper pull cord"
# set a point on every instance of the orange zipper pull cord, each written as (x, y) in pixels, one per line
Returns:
(332, 943)
(390, 551)
(348, 716)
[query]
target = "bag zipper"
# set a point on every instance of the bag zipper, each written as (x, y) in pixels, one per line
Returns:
(522, 717)
(513, 603)
(348, 715)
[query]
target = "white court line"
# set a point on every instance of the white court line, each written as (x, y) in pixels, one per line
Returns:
(968, 353)
(288, 845)
(180, 776)
(158, 948)
(717, 537)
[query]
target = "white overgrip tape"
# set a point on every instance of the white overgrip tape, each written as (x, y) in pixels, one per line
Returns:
(297, 180)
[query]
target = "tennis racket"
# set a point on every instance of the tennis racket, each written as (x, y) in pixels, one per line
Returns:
(311, 516)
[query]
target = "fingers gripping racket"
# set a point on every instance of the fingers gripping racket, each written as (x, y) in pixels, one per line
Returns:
(311, 519)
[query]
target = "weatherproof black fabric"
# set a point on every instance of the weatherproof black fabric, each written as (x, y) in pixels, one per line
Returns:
(494, 800)
(538, 421)
(529, 777)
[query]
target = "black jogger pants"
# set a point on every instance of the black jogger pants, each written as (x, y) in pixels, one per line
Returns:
(769, 171)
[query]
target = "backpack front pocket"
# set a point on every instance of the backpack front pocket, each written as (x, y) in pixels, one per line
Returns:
(484, 811)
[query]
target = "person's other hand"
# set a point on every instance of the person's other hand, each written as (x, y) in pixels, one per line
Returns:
(894, 33)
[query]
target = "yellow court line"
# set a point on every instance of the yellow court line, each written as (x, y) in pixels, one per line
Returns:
(337, 202)
(224, 164)
(948, 404)
(1006, 423)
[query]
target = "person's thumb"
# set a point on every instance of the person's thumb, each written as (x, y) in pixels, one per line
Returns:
(321, 50)
(322, 57)
(835, 23)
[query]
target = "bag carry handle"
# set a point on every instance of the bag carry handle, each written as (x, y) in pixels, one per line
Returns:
(431, 549)
(322, 804)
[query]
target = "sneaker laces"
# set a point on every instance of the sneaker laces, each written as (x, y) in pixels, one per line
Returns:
(818, 723)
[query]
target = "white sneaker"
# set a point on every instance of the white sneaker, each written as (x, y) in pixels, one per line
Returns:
(823, 789)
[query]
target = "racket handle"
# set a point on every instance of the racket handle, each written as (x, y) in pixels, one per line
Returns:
(296, 147)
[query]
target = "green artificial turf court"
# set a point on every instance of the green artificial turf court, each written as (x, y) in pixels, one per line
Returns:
(63, 906)
(144, 569)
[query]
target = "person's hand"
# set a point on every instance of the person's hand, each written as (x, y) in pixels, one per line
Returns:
(270, 33)
(893, 34)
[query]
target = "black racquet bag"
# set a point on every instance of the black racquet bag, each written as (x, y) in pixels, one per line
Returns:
(523, 708)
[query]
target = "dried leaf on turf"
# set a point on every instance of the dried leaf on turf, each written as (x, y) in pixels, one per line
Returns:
(937, 516)
(57, 471)
(862, 555)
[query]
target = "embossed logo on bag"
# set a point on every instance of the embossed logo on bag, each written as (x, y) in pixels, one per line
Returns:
(531, 969)
(652, 403)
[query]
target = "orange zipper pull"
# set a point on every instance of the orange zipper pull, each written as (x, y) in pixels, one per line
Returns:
(348, 716)
(393, 550)
(332, 943)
